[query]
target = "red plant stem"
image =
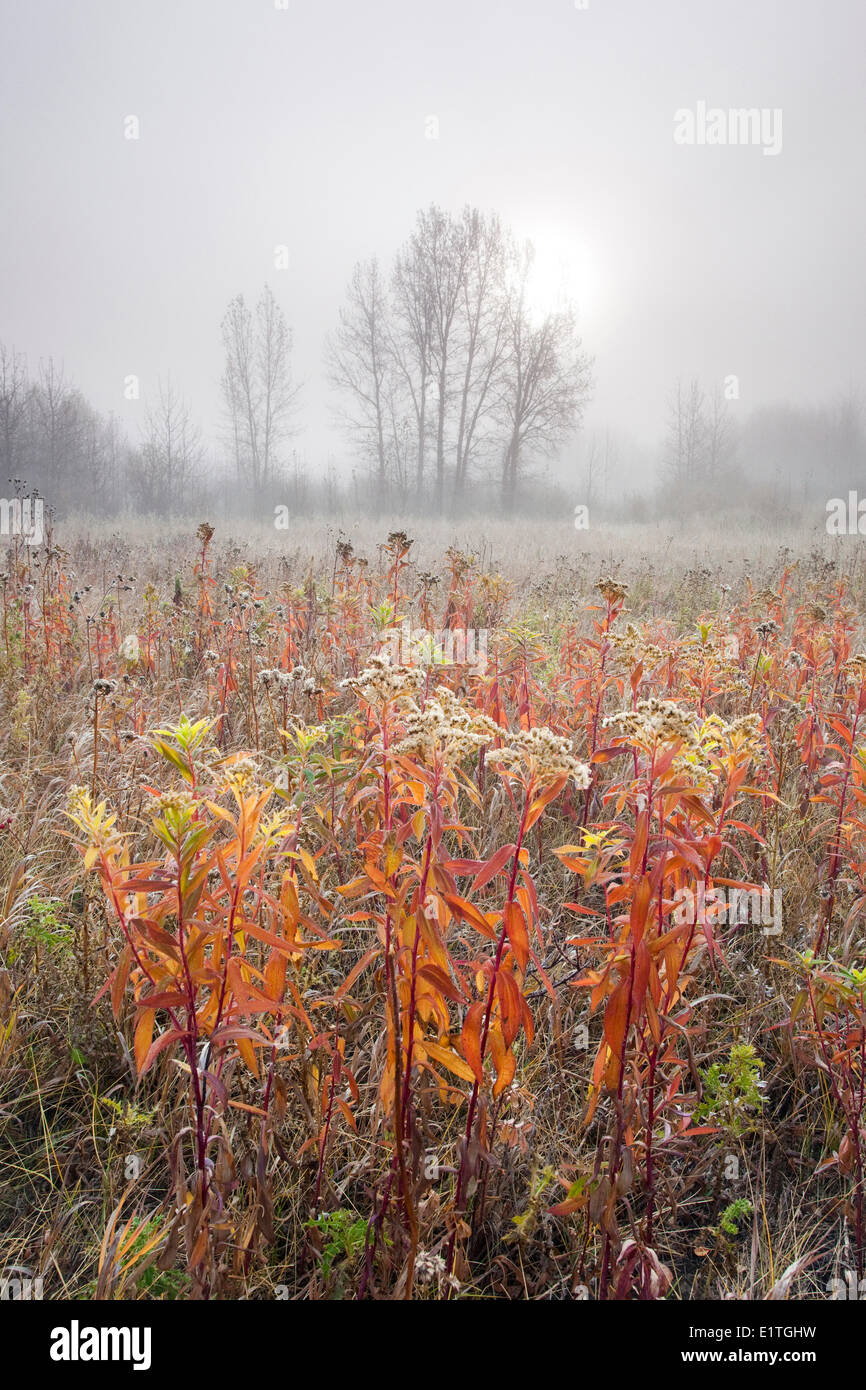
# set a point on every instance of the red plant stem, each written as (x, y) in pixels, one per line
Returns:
(327, 1125)
(651, 1083)
(410, 1041)
(853, 1117)
(393, 1010)
(192, 1030)
(485, 1029)
(616, 1149)
(835, 857)
(605, 648)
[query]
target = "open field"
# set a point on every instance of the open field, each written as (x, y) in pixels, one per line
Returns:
(432, 911)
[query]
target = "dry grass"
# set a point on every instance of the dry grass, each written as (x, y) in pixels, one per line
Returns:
(389, 1193)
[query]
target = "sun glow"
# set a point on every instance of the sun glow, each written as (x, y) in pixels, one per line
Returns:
(564, 271)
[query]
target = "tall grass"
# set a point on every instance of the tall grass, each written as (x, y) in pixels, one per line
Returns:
(325, 976)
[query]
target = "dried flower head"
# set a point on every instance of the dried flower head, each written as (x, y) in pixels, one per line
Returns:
(855, 668)
(78, 800)
(742, 739)
(546, 756)
(611, 590)
(632, 647)
(768, 597)
(242, 775)
(176, 802)
(652, 723)
(381, 682)
(444, 728)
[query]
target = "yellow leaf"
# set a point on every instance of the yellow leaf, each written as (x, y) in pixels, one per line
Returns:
(308, 862)
(248, 1055)
(450, 1060)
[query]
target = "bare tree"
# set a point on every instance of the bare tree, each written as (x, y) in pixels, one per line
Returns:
(719, 435)
(442, 246)
(15, 392)
(602, 460)
(412, 343)
(592, 469)
(611, 463)
(259, 395)
(401, 445)
(425, 363)
(239, 389)
(546, 381)
(426, 360)
(686, 447)
(104, 456)
(61, 418)
(170, 454)
(453, 355)
(482, 334)
(361, 367)
(279, 395)
(846, 438)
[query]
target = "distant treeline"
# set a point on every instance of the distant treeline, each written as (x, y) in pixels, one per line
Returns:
(457, 398)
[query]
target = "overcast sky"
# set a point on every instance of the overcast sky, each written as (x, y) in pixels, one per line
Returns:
(308, 127)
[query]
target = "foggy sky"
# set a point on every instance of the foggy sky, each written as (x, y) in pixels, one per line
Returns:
(306, 127)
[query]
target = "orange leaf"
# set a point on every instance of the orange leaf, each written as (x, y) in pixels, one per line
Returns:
(512, 1006)
(518, 936)
(248, 1055)
(493, 866)
(157, 1046)
(449, 1059)
(470, 1039)
(504, 1061)
(119, 979)
(434, 975)
(143, 1037)
(543, 800)
(469, 913)
(616, 1019)
(640, 908)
